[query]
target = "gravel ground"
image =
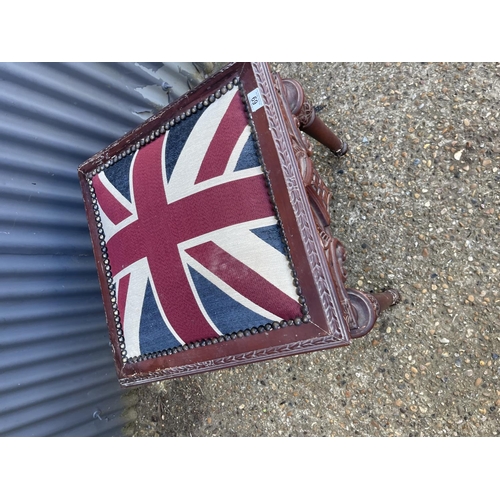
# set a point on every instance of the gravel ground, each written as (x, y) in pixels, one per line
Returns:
(417, 205)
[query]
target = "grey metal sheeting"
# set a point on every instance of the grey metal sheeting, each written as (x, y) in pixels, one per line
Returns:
(57, 375)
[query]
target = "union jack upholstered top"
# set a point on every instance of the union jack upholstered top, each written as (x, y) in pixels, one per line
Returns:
(194, 245)
(210, 229)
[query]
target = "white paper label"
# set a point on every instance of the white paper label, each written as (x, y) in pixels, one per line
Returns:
(255, 99)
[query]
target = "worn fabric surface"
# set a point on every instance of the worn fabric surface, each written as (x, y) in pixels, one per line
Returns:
(194, 244)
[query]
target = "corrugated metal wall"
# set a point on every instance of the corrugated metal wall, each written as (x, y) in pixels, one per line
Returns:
(57, 375)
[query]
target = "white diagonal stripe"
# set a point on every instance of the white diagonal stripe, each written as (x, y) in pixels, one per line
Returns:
(110, 229)
(259, 256)
(139, 276)
(222, 285)
(107, 184)
(188, 164)
(242, 244)
(238, 148)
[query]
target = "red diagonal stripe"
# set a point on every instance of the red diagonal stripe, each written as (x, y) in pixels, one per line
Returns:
(245, 280)
(227, 134)
(113, 209)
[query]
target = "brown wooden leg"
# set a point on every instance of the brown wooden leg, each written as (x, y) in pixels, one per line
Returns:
(387, 299)
(368, 308)
(360, 309)
(308, 121)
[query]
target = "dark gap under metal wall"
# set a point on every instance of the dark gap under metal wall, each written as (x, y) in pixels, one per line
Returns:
(57, 376)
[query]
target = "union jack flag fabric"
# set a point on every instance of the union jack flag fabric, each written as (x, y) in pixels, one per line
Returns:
(194, 245)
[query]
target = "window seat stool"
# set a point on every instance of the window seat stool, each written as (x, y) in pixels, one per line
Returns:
(212, 233)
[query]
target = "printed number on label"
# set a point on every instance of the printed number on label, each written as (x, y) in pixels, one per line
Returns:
(255, 99)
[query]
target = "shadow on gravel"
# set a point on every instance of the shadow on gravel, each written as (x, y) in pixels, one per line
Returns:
(175, 408)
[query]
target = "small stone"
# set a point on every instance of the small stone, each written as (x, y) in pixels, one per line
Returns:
(444, 340)
(458, 155)
(388, 330)
(470, 298)
(241, 407)
(478, 382)
(425, 252)
(487, 162)
(466, 122)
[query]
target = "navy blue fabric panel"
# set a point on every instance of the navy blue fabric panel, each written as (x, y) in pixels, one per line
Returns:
(176, 139)
(272, 236)
(154, 333)
(227, 314)
(119, 175)
(248, 157)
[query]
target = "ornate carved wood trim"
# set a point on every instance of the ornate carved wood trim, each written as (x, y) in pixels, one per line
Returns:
(298, 197)
(300, 347)
(336, 256)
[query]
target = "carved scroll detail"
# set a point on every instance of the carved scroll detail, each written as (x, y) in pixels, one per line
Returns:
(320, 196)
(374, 303)
(307, 114)
(336, 256)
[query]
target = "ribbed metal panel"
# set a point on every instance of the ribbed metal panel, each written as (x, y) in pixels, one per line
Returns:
(57, 375)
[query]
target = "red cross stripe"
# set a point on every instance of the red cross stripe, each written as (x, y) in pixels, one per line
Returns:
(160, 226)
